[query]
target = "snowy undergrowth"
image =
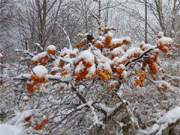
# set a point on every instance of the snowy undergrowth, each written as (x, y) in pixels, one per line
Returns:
(15, 125)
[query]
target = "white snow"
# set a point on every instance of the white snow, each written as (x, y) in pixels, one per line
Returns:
(68, 60)
(129, 54)
(160, 34)
(86, 56)
(166, 41)
(80, 67)
(126, 38)
(117, 41)
(109, 34)
(171, 116)
(101, 38)
(107, 109)
(67, 52)
(145, 46)
(19, 118)
(100, 57)
(68, 67)
(99, 42)
(6, 129)
(118, 60)
(25, 52)
(121, 66)
(56, 62)
(68, 76)
(95, 116)
(124, 74)
(134, 50)
(24, 76)
(55, 68)
(15, 125)
(40, 71)
(51, 47)
(25, 98)
(117, 51)
(1, 55)
(91, 70)
(38, 45)
(120, 40)
(54, 77)
(39, 56)
(105, 66)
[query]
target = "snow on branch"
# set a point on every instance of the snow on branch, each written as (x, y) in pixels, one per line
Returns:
(109, 110)
(106, 58)
(167, 121)
(39, 46)
(25, 52)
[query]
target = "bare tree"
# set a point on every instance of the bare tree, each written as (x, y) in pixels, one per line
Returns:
(43, 22)
(39, 19)
(146, 31)
(7, 41)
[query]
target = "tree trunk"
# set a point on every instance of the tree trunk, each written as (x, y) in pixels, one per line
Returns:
(146, 31)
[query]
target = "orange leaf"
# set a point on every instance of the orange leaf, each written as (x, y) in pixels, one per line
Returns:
(52, 52)
(38, 79)
(107, 41)
(31, 87)
(82, 75)
(140, 79)
(41, 125)
(104, 75)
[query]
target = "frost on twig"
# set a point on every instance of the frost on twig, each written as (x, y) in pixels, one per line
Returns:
(67, 36)
(134, 121)
(89, 104)
(25, 52)
(96, 120)
(39, 46)
(109, 110)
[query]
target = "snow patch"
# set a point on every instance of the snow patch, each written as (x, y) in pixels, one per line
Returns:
(6, 129)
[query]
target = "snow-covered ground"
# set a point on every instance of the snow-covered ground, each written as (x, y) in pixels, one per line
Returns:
(6, 129)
